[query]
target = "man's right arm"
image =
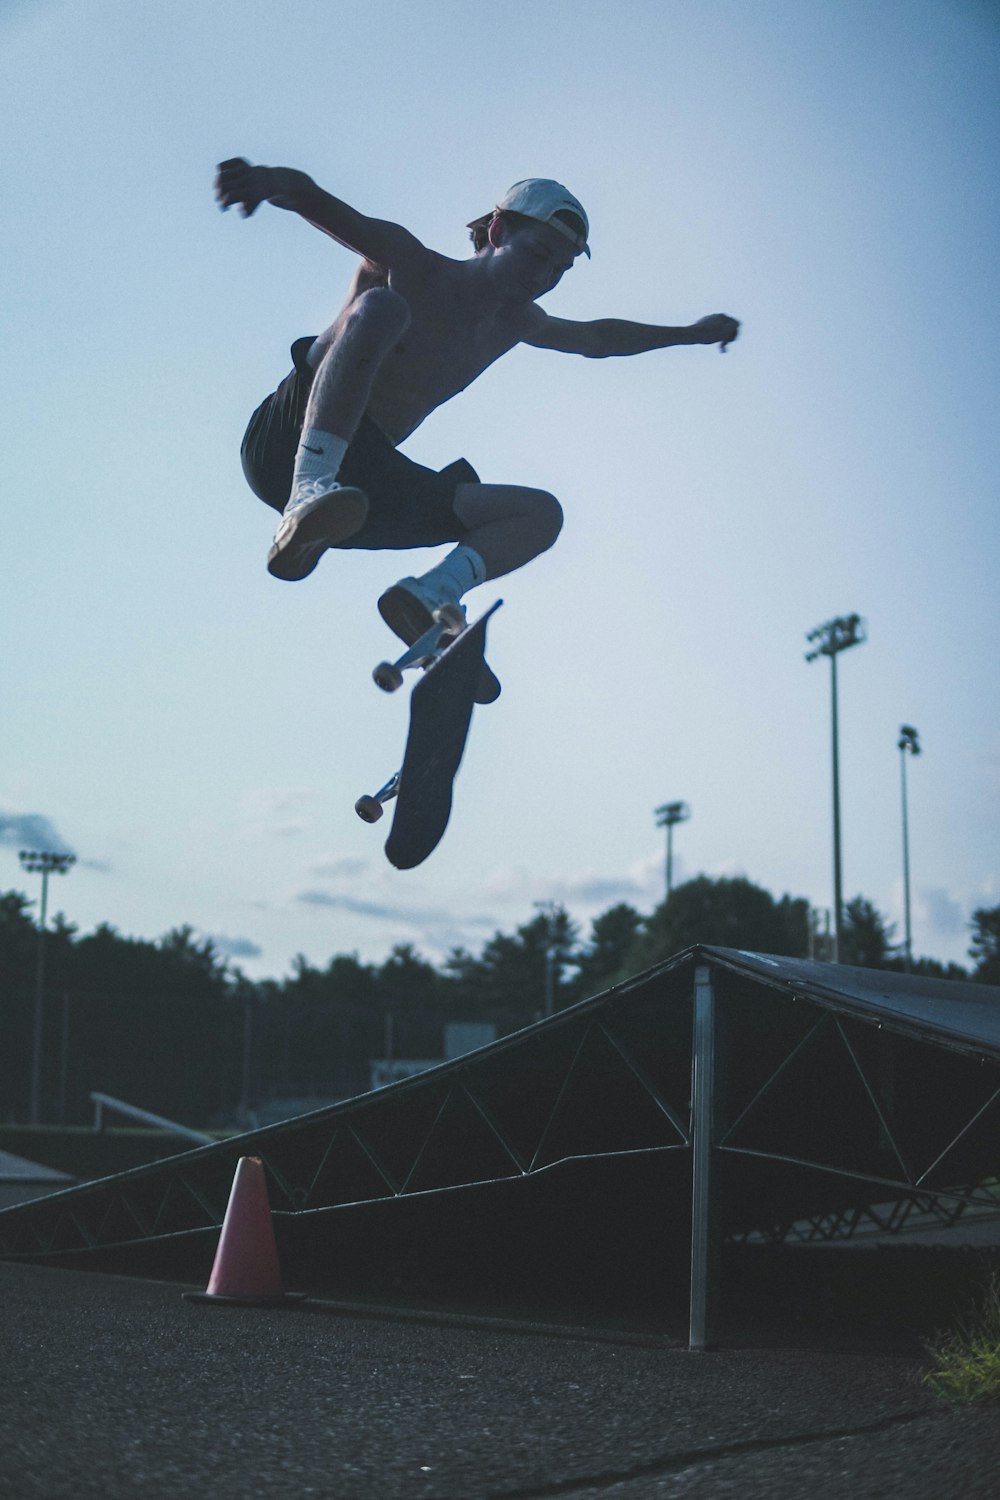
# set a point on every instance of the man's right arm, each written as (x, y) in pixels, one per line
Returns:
(378, 240)
(604, 337)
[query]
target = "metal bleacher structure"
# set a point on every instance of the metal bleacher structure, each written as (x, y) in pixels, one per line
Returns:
(721, 1097)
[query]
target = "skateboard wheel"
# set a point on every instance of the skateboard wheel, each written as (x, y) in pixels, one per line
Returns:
(368, 808)
(388, 677)
(451, 617)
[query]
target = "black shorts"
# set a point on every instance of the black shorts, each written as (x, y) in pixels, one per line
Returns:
(408, 505)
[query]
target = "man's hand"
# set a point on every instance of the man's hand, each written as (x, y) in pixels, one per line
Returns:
(385, 244)
(236, 181)
(717, 328)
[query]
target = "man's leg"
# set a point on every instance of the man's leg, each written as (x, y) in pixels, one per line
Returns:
(508, 525)
(320, 512)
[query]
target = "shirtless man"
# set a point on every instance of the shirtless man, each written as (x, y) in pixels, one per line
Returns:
(417, 328)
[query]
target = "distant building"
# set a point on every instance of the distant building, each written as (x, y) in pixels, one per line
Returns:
(459, 1038)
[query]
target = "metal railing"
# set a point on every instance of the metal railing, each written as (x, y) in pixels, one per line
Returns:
(101, 1102)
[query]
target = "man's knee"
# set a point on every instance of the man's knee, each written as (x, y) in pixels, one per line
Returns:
(376, 319)
(535, 516)
(380, 310)
(548, 514)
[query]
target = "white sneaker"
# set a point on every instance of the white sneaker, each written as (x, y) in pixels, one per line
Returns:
(408, 607)
(408, 610)
(315, 521)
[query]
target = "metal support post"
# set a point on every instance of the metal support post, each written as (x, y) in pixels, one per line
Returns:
(838, 877)
(45, 863)
(35, 1099)
(833, 637)
(909, 743)
(704, 1192)
(667, 817)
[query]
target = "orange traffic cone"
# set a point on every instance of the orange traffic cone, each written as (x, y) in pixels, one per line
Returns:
(246, 1270)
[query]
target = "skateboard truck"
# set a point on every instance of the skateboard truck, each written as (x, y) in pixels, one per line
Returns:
(371, 808)
(448, 624)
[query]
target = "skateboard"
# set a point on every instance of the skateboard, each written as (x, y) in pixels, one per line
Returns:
(451, 655)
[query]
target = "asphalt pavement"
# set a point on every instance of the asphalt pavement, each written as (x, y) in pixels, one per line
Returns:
(116, 1387)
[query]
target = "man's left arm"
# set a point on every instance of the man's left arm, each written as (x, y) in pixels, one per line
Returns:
(606, 338)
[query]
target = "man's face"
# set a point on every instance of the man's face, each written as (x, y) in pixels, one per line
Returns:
(531, 258)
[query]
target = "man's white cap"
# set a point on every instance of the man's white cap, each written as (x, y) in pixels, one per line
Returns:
(541, 198)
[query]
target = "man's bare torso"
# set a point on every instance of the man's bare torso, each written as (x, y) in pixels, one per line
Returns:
(456, 331)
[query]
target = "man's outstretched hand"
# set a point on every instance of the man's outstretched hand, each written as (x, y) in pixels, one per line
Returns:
(717, 328)
(237, 182)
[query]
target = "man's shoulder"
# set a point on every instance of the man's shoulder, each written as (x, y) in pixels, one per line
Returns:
(427, 269)
(523, 323)
(530, 321)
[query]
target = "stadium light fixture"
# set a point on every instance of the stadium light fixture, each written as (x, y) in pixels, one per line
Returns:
(829, 640)
(668, 816)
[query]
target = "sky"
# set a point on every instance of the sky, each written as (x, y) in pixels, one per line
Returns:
(197, 733)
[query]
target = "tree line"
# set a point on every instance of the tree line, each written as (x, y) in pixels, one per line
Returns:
(170, 1026)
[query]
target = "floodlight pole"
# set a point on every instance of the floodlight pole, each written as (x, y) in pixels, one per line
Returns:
(44, 863)
(833, 637)
(909, 743)
(667, 817)
(548, 909)
(838, 874)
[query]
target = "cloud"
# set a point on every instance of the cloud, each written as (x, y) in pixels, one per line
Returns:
(641, 883)
(597, 890)
(238, 947)
(941, 912)
(346, 868)
(280, 812)
(509, 894)
(267, 801)
(353, 905)
(378, 912)
(31, 831)
(435, 931)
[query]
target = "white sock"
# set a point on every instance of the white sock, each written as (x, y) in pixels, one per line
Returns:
(460, 571)
(317, 462)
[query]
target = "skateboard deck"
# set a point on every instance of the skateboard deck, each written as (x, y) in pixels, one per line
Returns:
(441, 706)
